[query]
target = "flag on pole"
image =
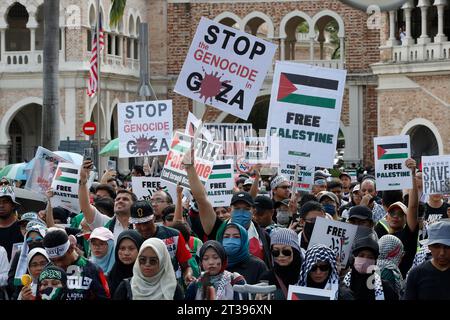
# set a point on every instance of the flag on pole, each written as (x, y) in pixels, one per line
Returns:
(93, 69)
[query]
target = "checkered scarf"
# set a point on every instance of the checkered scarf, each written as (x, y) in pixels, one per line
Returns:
(391, 252)
(320, 253)
(377, 284)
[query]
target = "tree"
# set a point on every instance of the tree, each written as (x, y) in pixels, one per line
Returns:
(50, 108)
(117, 10)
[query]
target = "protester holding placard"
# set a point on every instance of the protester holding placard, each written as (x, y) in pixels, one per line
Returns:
(234, 239)
(308, 214)
(287, 261)
(402, 222)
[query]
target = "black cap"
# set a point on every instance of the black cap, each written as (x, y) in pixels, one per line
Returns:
(343, 173)
(242, 196)
(263, 203)
(284, 202)
(365, 238)
(141, 212)
(360, 212)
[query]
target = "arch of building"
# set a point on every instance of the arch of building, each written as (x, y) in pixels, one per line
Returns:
(92, 114)
(259, 16)
(329, 13)
(291, 15)
(228, 16)
(12, 112)
(110, 117)
(426, 123)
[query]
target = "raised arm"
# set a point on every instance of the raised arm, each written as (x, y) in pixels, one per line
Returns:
(413, 199)
(83, 192)
(178, 215)
(206, 210)
(49, 220)
(254, 190)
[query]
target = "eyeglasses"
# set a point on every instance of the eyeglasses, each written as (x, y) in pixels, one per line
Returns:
(150, 260)
(30, 239)
(284, 252)
(158, 201)
(38, 264)
(322, 268)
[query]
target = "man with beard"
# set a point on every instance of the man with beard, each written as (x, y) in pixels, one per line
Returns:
(9, 224)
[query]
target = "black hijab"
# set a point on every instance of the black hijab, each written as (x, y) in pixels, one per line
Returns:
(289, 274)
(120, 270)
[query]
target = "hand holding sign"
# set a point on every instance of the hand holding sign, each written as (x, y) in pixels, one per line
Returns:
(85, 170)
(411, 164)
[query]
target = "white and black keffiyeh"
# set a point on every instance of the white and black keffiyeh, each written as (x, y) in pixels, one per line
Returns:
(320, 253)
(377, 284)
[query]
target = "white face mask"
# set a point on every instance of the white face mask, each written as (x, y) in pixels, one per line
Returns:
(283, 217)
(362, 264)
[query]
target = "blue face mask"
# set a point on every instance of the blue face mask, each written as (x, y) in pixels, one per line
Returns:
(329, 208)
(241, 217)
(231, 245)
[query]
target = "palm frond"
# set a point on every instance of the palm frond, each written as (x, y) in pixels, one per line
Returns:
(117, 10)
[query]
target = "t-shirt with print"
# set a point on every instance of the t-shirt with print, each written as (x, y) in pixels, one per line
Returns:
(86, 281)
(434, 214)
(176, 245)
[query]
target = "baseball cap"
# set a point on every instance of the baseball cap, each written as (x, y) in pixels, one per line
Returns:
(360, 212)
(141, 212)
(439, 232)
(284, 202)
(263, 203)
(365, 238)
(242, 196)
(343, 173)
(321, 174)
(356, 188)
(102, 233)
(330, 195)
(400, 205)
(8, 191)
(277, 181)
(247, 182)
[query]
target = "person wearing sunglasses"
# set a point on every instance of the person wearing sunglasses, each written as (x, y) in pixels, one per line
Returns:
(287, 261)
(320, 270)
(281, 188)
(4, 182)
(153, 275)
(37, 259)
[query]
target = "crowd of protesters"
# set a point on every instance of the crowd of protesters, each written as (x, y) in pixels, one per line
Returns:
(122, 248)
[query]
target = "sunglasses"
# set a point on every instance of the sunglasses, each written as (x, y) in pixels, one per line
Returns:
(284, 252)
(322, 268)
(284, 187)
(29, 239)
(4, 183)
(150, 261)
(399, 214)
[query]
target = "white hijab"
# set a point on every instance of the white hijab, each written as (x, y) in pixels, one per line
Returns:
(30, 256)
(162, 285)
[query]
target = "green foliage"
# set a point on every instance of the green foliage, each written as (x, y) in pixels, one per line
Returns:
(117, 10)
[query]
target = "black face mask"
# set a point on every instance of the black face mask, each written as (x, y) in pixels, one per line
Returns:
(308, 229)
(35, 244)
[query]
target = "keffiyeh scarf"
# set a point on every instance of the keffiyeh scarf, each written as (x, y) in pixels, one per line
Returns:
(377, 284)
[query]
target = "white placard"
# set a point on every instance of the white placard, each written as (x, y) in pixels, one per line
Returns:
(305, 175)
(145, 187)
(145, 128)
(225, 68)
(65, 187)
(390, 153)
(219, 186)
(305, 111)
(436, 174)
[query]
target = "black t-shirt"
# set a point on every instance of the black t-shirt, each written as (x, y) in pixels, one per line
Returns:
(198, 228)
(434, 214)
(409, 239)
(252, 269)
(9, 236)
(425, 282)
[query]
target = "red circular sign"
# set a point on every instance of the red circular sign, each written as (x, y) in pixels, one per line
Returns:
(89, 128)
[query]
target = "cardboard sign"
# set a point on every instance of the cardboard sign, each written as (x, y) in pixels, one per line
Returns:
(391, 173)
(145, 128)
(192, 126)
(225, 68)
(145, 187)
(337, 235)
(231, 136)
(219, 187)
(205, 155)
(305, 178)
(305, 111)
(44, 168)
(436, 174)
(65, 187)
(307, 293)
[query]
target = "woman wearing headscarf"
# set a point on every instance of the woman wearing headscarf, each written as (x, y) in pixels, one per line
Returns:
(319, 269)
(391, 253)
(213, 259)
(365, 251)
(153, 275)
(52, 284)
(37, 259)
(101, 242)
(126, 252)
(287, 261)
(234, 239)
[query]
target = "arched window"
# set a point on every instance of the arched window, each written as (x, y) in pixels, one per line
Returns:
(17, 36)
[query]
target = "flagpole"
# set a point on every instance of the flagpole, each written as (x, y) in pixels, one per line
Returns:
(97, 33)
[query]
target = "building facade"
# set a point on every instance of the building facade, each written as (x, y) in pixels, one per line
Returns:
(382, 74)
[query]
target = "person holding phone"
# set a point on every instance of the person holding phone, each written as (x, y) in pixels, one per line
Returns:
(369, 192)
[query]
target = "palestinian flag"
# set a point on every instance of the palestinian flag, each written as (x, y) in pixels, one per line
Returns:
(306, 90)
(392, 151)
(221, 171)
(181, 143)
(68, 175)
